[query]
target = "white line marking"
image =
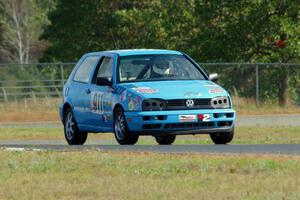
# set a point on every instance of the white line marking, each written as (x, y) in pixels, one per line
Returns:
(14, 149)
(22, 149)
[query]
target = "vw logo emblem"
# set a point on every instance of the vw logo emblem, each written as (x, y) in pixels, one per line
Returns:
(189, 103)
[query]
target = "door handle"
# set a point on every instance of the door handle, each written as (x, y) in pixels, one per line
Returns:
(87, 91)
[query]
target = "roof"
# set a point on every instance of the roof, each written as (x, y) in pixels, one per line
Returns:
(129, 52)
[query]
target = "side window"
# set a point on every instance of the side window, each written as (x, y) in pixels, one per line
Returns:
(106, 68)
(84, 71)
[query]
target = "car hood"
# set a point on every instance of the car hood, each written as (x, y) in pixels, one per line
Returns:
(176, 89)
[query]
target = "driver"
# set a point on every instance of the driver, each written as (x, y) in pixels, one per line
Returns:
(160, 68)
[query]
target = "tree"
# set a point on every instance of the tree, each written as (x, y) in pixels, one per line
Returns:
(22, 22)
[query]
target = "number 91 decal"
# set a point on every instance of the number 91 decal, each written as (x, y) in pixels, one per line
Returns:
(204, 117)
(97, 102)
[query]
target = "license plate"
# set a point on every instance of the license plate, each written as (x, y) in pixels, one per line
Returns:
(187, 118)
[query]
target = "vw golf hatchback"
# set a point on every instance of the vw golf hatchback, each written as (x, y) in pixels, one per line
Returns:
(161, 93)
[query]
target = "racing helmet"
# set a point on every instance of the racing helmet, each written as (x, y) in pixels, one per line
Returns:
(161, 63)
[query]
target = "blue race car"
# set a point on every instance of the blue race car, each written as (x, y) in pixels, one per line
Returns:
(161, 93)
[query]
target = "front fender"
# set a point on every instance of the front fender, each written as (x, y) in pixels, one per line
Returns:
(128, 100)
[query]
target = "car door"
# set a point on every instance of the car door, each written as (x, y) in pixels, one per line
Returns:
(79, 90)
(101, 95)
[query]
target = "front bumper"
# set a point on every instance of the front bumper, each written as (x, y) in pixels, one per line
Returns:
(170, 122)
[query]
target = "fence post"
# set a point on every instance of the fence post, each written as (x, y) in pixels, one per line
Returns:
(4, 95)
(62, 75)
(257, 84)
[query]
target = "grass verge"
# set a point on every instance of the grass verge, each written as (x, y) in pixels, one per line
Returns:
(105, 175)
(247, 106)
(243, 135)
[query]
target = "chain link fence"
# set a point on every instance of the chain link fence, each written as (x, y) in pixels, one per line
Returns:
(272, 83)
(260, 82)
(32, 80)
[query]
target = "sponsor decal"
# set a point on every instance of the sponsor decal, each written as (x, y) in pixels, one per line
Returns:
(123, 95)
(187, 118)
(204, 117)
(139, 99)
(213, 91)
(132, 104)
(192, 94)
(145, 90)
(210, 85)
(106, 118)
(107, 102)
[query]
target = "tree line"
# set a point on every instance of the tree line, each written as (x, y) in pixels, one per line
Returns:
(208, 30)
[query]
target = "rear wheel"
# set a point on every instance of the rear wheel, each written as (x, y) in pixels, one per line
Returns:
(165, 140)
(222, 138)
(122, 134)
(72, 133)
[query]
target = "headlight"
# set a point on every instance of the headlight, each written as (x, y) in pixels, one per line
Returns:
(220, 102)
(153, 104)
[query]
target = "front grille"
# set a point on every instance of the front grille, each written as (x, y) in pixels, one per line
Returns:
(179, 104)
(189, 125)
(151, 126)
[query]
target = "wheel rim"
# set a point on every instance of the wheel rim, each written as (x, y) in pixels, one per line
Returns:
(69, 125)
(120, 126)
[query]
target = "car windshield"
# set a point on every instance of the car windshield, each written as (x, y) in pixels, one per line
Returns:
(157, 68)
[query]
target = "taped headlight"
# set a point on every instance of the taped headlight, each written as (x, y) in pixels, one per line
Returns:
(220, 102)
(153, 105)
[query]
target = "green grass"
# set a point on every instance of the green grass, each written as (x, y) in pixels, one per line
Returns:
(104, 175)
(243, 135)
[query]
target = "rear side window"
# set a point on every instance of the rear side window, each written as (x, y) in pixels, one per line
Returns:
(84, 71)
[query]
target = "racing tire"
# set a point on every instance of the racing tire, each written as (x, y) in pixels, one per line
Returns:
(222, 138)
(165, 140)
(72, 134)
(121, 131)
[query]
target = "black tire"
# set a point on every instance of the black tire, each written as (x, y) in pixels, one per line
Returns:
(222, 138)
(72, 133)
(121, 131)
(165, 140)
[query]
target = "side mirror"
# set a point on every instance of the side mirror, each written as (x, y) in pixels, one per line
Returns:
(213, 77)
(103, 81)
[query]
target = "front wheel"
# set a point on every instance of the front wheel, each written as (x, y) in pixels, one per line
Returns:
(222, 138)
(165, 140)
(122, 134)
(72, 133)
